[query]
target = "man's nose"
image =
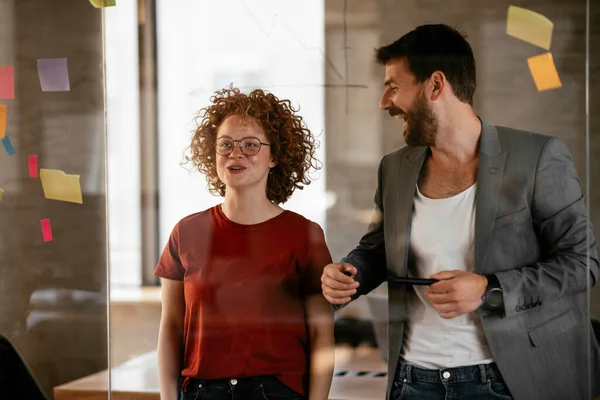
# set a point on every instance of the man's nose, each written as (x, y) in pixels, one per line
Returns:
(384, 102)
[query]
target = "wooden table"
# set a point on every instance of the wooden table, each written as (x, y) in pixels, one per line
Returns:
(137, 379)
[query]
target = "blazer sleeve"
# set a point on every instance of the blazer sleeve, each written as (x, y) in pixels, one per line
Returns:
(369, 256)
(562, 223)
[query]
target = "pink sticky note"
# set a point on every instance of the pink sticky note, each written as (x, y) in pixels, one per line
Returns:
(7, 82)
(46, 229)
(33, 166)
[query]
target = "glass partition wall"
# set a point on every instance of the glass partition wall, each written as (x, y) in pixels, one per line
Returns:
(53, 260)
(70, 125)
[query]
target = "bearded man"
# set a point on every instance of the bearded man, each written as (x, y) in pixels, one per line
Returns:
(496, 218)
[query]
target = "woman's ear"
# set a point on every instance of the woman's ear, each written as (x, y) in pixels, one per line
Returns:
(272, 163)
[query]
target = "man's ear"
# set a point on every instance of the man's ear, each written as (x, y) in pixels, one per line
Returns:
(438, 84)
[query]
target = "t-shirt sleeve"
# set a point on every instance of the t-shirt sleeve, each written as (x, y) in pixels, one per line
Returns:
(169, 265)
(318, 257)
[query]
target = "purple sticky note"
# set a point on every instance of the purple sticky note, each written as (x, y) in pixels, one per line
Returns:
(54, 74)
(7, 82)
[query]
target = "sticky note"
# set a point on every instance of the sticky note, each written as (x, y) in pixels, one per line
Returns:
(529, 26)
(1, 193)
(54, 74)
(33, 166)
(59, 186)
(544, 72)
(3, 112)
(46, 229)
(10, 150)
(103, 3)
(7, 82)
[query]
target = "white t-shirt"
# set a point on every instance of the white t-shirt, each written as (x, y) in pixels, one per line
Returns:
(442, 238)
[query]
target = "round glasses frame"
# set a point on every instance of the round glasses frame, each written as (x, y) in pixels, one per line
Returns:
(249, 146)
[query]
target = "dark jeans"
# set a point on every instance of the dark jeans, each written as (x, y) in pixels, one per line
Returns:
(253, 388)
(478, 382)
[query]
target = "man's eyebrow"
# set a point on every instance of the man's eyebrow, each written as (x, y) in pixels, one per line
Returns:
(388, 82)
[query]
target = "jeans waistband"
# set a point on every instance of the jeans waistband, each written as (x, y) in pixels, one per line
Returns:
(481, 372)
(193, 384)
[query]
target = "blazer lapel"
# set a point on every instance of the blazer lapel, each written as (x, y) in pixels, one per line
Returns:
(402, 206)
(406, 189)
(489, 182)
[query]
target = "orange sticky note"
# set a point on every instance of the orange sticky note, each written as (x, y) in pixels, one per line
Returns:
(544, 72)
(3, 113)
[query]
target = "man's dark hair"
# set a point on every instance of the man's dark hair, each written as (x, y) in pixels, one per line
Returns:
(431, 48)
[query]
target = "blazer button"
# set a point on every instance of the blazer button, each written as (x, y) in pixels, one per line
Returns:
(493, 170)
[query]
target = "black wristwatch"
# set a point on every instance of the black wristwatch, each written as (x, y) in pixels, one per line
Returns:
(493, 298)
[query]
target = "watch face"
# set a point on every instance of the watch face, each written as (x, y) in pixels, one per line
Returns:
(494, 298)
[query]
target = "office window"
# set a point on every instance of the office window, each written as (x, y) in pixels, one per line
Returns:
(123, 143)
(204, 46)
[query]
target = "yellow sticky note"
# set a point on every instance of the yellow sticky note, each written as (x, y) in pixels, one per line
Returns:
(59, 186)
(103, 3)
(2, 120)
(544, 72)
(1, 193)
(529, 26)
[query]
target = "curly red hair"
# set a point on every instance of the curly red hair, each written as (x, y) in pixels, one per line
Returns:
(292, 144)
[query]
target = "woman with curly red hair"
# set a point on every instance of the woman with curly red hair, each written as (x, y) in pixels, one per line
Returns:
(243, 316)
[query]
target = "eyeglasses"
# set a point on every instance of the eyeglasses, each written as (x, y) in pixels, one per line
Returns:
(249, 146)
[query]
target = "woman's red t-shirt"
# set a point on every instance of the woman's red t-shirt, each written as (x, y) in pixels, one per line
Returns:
(244, 288)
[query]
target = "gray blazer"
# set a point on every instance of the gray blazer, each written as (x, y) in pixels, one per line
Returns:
(531, 230)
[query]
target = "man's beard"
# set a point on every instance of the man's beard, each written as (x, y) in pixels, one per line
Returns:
(422, 124)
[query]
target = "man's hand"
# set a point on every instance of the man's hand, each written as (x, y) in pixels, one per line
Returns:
(456, 293)
(337, 286)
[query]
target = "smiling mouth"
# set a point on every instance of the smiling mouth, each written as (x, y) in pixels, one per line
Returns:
(397, 113)
(401, 116)
(235, 168)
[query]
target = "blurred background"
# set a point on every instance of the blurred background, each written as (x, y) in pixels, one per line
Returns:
(140, 71)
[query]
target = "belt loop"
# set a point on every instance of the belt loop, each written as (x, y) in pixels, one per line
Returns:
(409, 374)
(184, 385)
(482, 374)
